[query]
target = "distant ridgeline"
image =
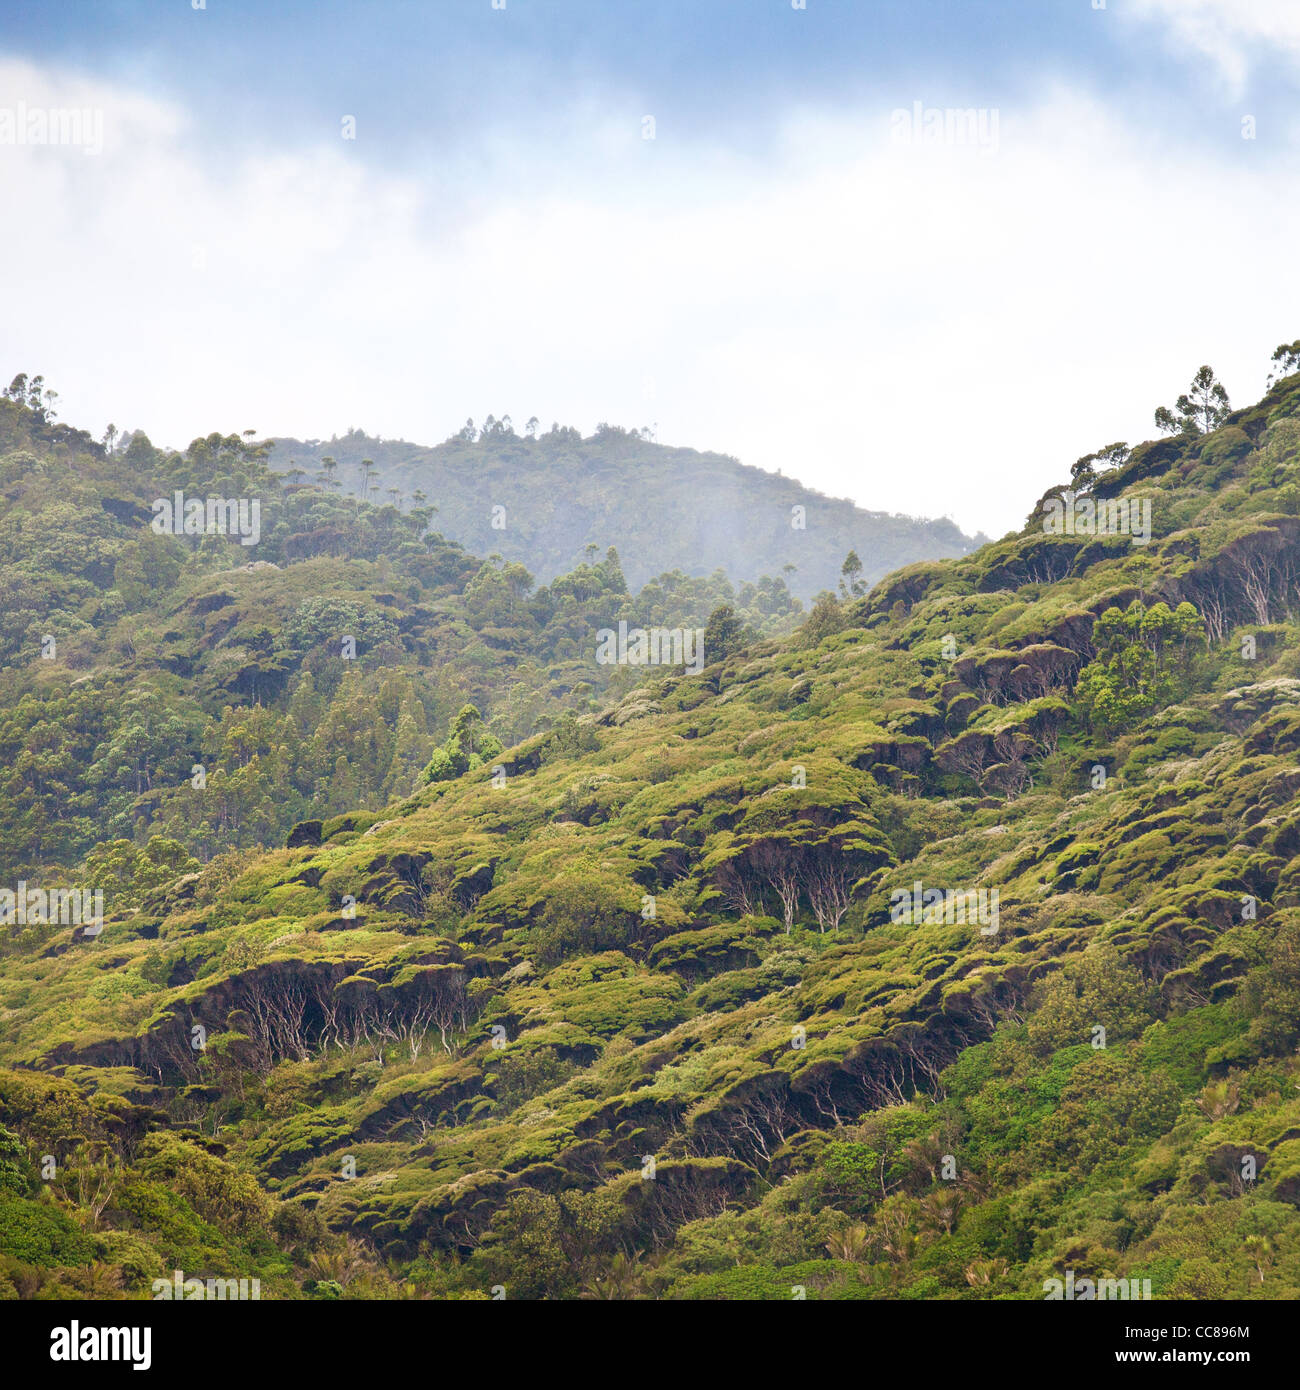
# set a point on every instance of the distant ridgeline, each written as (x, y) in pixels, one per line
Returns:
(540, 499)
(199, 652)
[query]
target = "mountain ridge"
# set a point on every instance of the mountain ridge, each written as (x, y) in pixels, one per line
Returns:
(662, 507)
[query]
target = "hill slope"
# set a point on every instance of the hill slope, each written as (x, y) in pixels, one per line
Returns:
(662, 508)
(655, 1013)
(130, 658)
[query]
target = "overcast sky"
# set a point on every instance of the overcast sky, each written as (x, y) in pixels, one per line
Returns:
(922, 325)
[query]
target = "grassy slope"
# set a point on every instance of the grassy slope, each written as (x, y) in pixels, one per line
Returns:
(173, 652)
(875, 1110)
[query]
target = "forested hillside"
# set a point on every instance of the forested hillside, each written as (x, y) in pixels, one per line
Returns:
(134, 665)
(541, 498)
(943, 947)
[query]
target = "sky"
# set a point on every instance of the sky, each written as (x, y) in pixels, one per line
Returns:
(762, 227)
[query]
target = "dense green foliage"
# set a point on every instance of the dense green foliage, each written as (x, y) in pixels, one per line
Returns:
(626, 1009)
(130, 659)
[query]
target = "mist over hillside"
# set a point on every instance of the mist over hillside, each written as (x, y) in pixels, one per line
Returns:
(542, 499)
(222, 651)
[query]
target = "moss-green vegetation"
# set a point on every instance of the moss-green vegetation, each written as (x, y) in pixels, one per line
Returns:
(637, 1014)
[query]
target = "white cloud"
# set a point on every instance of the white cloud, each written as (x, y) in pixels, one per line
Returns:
(931, 330)
(1231, 33)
